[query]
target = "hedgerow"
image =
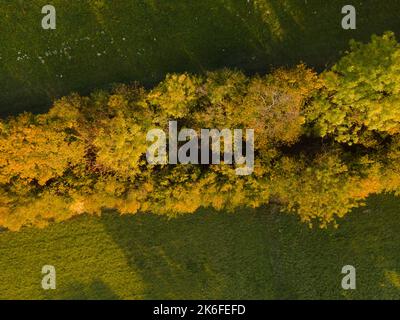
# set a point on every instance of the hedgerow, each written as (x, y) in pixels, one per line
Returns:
(323, 144)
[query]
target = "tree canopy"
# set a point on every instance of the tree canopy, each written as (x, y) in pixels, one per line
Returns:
(323, 143)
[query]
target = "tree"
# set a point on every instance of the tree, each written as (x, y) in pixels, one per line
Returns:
(88, 154)
(361, 93)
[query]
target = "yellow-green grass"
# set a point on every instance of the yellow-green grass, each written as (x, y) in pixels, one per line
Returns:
(261, 254)
(98, 42)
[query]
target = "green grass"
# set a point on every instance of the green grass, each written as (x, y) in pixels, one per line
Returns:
(258, 254)
(142, 40)
(250, 254)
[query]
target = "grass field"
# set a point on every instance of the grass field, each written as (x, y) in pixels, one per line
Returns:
(247, 255)
(98, 42)
(259, 254)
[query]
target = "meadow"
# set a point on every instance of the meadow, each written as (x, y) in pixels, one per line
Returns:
(260, 254)
(249, 254)
(96, 43)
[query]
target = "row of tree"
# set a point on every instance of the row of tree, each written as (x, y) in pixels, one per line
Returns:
(323, 143)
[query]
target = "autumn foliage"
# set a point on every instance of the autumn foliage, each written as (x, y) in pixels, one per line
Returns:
(323, 144)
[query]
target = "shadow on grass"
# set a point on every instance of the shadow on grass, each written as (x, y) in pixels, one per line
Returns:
(261, 254)
(251, 254)
(98, 43)
(204, 256)
(97, 289)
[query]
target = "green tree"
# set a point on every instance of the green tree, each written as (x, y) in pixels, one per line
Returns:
(361, 94)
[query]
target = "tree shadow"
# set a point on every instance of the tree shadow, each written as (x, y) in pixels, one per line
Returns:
(260, 254)
(96, 289)
(144, 40)
(196, 257)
